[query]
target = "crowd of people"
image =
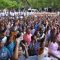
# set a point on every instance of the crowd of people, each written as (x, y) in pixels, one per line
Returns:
(30, 38)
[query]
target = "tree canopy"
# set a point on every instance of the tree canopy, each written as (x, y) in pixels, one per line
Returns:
(29, 3)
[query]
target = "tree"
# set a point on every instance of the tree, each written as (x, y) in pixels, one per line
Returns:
(29, 3)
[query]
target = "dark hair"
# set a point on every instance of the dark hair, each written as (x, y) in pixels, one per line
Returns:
(3, 30)
(23, 41)
(18, 35)
(21, 44)
(33, 38)
(52, 35)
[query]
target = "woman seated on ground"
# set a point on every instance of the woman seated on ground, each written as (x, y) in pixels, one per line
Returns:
(4, 51)
(34, 46)
(43, 52)
(21, 51)
(54, 48)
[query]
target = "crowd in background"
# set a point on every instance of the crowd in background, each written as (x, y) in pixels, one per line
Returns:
(30, 38)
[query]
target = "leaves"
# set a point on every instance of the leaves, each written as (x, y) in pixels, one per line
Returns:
(44, 3)
(29, 3)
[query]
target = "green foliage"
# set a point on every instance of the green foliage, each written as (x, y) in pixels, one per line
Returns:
(29, 3)
(44, 3)
(8, 4)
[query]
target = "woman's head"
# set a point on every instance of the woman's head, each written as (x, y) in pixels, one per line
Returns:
(34, 38)
(22, 44)
(28, 30)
